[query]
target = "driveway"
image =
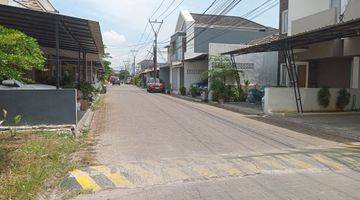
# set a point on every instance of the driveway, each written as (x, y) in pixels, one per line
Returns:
(154, 146)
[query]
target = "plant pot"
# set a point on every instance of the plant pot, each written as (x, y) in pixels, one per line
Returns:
(84, 105)
(221, 101)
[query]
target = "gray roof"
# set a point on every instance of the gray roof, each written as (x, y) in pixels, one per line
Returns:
(225, 20)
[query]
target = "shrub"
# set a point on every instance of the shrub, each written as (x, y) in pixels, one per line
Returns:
(168, 88)
(88, 91)
(183, 91)
(18, 53)
(343, 99)
(324, 97)
(218, 90)
(194, 91)
(239, 95)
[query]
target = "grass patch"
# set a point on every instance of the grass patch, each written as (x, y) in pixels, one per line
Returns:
(97, 104)
(31, 163)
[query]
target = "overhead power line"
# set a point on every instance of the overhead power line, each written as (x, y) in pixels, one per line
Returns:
(236, 26)
(171, 12)
(167, 8)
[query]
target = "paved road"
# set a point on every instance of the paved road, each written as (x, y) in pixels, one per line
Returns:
(153, 146)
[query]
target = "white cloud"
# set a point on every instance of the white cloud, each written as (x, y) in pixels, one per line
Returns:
(115, 43)
(113, 38)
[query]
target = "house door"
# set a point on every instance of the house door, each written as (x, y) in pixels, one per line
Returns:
(302, 72)
(302, 69)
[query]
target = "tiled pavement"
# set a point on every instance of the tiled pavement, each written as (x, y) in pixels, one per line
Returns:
(192, 169)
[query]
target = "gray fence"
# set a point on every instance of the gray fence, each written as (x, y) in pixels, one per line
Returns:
(40, 107)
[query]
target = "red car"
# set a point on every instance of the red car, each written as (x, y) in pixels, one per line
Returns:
(155, 86)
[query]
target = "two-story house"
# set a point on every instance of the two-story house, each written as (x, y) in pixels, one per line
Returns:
(319, 45)
(331, 63)
(194, 34)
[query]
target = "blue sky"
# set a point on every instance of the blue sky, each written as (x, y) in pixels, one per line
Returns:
(123, 21)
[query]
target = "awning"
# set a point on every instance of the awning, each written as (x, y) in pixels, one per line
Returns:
(75, 34)
(202, 56)
(328, 33)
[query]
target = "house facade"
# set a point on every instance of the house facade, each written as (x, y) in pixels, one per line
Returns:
(333, 64)
(190, 45)
(38, 5)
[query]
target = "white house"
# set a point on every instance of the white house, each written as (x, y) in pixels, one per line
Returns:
(190, 45)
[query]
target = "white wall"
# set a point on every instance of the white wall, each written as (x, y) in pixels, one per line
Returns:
(265, 67)
(355, 73)
(265, 64)
(312, 22)
(4, 2)
(283, 100)
(352, 11)
(302, 8)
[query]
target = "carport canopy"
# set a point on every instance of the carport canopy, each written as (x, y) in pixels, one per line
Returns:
(74, 34)
(278, 43)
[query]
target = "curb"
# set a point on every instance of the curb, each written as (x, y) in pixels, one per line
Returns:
(85, 122)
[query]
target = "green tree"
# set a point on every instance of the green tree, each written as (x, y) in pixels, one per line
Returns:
(107, 69)
(221, 69)
(18, 53)
(124, 74)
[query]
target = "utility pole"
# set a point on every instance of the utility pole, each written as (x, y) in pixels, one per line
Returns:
(134, 52)
(156, 33)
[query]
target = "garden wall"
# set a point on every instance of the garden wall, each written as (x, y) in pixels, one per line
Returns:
(283, 100)
(40, 107)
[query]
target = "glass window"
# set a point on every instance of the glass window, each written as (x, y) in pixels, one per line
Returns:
(285, 21)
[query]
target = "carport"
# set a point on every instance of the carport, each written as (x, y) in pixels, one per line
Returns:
(286, 46)
(57, 33)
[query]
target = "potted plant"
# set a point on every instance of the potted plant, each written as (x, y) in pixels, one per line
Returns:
(324, 97)
(194, 91)
(168, 88)
(343, 99)
(87, 92)
(183, 91)
(218, 91)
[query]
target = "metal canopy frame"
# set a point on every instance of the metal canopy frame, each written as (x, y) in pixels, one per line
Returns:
(338, 31)
(286, 45)
(74, 33)
(55, 31)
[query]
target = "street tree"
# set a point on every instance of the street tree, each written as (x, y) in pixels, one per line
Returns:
(107, 69)
(18, 53)
(124, 74)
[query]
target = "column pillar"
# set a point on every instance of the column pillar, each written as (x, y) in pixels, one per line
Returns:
(355, 73)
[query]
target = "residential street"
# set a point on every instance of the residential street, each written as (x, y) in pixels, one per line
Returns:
(154, 146)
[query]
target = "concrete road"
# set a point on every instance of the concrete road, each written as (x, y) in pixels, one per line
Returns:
(154, 146)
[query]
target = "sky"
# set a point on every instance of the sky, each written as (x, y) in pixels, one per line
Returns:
(123, 21)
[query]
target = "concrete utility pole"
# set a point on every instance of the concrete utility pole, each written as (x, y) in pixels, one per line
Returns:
(134, 52)
(156, 32)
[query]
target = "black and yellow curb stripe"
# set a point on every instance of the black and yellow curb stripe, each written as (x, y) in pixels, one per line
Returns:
(148, 173)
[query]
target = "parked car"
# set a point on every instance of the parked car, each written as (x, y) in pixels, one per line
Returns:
(114, 80)
(200, 87)
(155, 85)
(117, 82)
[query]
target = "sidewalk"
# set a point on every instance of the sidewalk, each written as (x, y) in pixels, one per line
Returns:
(328, 126)
(240, 107)
(344, 127)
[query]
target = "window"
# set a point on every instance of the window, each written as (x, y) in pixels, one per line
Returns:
(336, 4)
(284, 78)
(284, 21)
